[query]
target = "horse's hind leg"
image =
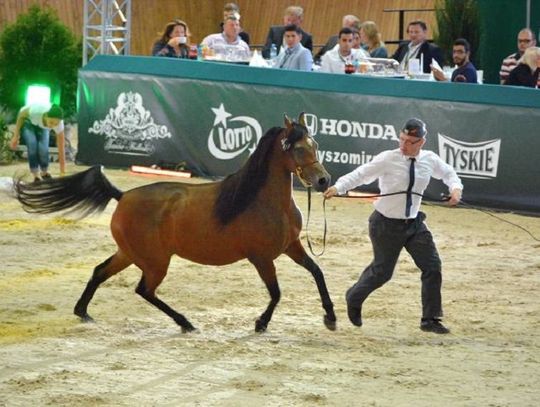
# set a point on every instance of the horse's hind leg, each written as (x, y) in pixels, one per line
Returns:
(150, 280)
(102, 272)
(296, 252)
(267, 271)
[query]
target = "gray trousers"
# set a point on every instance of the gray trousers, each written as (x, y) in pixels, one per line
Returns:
(388, 237)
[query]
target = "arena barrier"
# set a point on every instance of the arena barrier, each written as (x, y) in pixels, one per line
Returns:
(209, 115)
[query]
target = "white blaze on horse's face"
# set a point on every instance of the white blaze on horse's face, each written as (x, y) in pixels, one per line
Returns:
(308, 168)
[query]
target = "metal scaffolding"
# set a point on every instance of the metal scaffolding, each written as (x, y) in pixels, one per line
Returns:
(107, 28)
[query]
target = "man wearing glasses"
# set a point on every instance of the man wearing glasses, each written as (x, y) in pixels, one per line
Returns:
(465, 71)
(397, 223)
(525, 39)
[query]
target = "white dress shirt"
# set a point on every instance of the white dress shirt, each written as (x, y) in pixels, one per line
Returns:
(391, 168)
(334, 62)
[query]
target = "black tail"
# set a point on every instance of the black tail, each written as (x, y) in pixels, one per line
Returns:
(86, 192)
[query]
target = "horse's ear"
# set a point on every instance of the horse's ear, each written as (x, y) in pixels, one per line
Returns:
(288, 122)
(302, 119)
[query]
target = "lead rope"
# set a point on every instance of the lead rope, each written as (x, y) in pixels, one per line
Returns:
(307, 226)
(324, 216)
(444, 198)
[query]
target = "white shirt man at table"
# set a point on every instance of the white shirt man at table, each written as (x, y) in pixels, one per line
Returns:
(397, 222)
(343, 53)
(294, 56)
(229, 37)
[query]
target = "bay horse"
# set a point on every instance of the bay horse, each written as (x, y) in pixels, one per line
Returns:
(250, 215)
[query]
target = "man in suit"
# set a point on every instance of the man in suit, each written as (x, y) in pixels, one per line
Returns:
(349, 21)
(418, 47)
(295, 56)
(293, 15)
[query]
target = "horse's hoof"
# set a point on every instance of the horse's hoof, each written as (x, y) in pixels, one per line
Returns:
(85, 319)
(259, 326)
(331, 325)
(190, 328)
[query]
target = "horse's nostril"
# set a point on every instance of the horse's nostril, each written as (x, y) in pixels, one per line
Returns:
(323, 181)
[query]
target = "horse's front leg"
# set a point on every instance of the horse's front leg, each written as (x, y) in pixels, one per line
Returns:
(297, 252)
(267, 271)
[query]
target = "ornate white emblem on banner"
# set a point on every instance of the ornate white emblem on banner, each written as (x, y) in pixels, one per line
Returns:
(129, 128)
(471, 160)
(227, 142)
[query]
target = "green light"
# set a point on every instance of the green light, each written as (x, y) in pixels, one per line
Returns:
(38, 94)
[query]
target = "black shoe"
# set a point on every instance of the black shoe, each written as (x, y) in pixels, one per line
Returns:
(46, 176)
(354, 313)
(433, 325)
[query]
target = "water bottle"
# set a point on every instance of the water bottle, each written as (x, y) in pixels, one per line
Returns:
(273, 52)
(199, 52)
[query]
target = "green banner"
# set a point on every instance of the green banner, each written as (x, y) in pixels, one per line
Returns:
(213, 126)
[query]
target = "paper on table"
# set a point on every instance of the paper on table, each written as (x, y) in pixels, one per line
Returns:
(436, 64)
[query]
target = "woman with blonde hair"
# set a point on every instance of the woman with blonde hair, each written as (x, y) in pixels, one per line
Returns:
(527, 70)
(173, 42)
(371, 40)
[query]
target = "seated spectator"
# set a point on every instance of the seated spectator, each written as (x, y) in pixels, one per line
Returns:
(418, 47)
(527, 70)
(293, 16)
(371, 40)
(228, 38)
(295, 55)
(465, 71)
(525, 39)
(342, 54)
(357, 41)
(232, 9)
(349, 21)
(173, 42)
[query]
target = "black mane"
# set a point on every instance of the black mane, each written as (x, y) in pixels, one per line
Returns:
(240, 189)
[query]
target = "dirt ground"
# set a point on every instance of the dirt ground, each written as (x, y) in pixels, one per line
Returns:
(134, 355)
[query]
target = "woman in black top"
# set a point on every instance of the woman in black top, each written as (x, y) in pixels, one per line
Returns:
(527, 71)
(173, 42)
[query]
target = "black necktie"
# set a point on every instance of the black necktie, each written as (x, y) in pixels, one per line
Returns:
(408, 204)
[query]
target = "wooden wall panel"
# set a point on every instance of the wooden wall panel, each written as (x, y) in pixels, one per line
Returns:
(322, 17)
(69, 11)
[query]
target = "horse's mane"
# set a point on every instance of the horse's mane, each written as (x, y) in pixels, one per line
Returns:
(240, 189)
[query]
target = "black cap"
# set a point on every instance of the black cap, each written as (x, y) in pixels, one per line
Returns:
(415, 127)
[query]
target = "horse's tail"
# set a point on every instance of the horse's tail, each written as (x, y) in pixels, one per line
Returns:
(85, 192)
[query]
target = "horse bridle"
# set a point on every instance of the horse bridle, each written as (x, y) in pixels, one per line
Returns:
(299, 171)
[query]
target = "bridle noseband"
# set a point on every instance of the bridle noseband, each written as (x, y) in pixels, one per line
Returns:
(299, 171)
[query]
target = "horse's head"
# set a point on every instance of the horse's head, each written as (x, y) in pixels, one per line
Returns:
(302, 155)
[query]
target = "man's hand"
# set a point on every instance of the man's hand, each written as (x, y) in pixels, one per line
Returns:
(438, 74)
(330, 192)
(455, 197)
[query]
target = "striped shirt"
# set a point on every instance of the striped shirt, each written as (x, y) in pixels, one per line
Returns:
(509, 63)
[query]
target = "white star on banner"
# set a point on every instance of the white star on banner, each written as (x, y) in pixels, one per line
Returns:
(221, 115)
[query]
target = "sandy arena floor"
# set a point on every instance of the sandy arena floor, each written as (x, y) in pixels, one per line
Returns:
(136, 356)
